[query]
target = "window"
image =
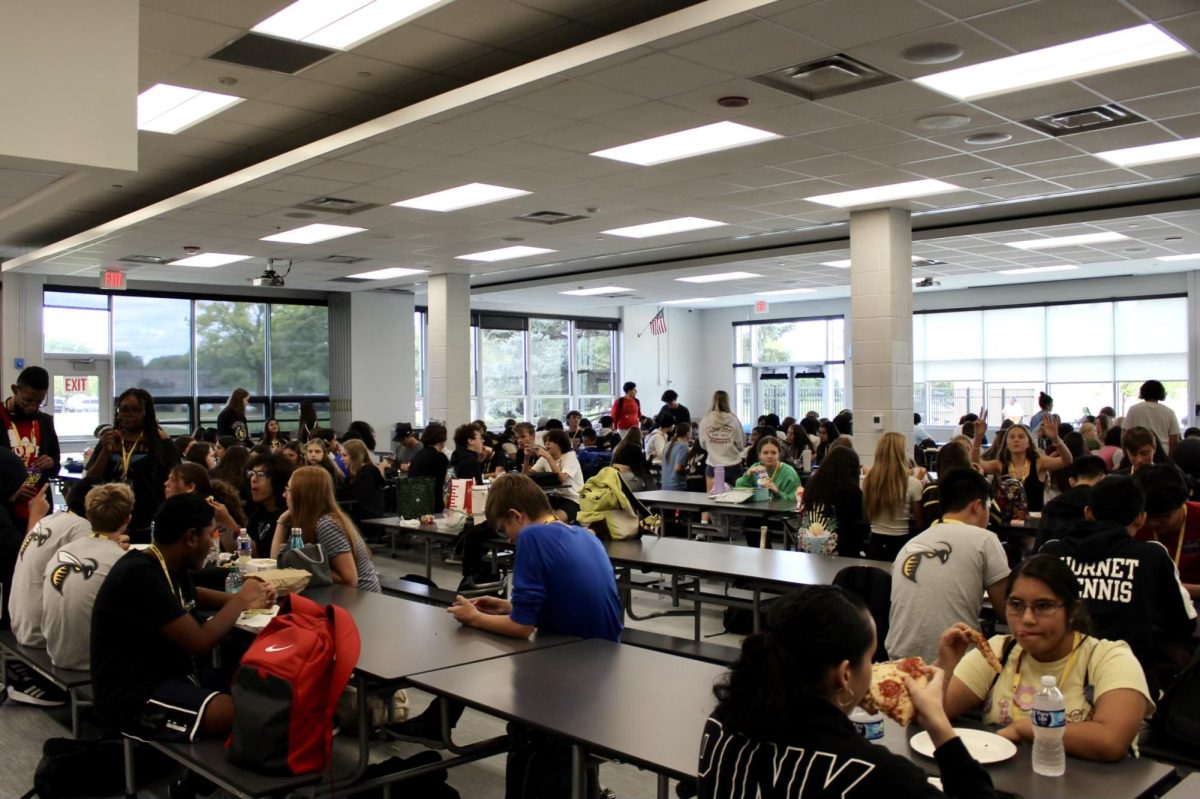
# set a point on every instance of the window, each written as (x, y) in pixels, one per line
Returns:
(230, 347)
(152, 343)
(299, 349)
(594, 373)
(502, 368)
(550, 367)
(75, 324)
(797, 367)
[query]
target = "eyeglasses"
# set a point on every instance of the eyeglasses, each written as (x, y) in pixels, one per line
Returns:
(25, 402)
(129, 410)
(1041, 608)
(257, 475)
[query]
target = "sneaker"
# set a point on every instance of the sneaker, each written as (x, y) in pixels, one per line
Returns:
(608, 793)
(419, 730)
(31, 688)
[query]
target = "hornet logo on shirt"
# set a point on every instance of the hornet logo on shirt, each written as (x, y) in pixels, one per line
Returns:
(68, 564)
(36, 536)
(913, 561)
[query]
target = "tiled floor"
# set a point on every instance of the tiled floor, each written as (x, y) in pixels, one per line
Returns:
(23, 729)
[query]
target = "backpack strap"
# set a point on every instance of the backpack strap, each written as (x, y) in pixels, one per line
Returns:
(1010, 643)
(346, 648)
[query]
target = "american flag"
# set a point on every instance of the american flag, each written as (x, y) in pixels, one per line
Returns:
(658, 325)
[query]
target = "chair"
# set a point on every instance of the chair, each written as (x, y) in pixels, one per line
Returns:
(874, 587)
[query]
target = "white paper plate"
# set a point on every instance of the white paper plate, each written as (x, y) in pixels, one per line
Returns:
(986, 747)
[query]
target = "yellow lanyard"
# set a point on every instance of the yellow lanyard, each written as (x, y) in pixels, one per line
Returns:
(1062, 676)
(154, 550)
(1179, 543)
(127, 458)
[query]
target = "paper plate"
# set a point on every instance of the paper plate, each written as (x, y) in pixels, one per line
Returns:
(986, 747)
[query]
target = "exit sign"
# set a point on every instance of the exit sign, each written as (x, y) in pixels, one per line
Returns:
(112, 279)
(760, 306)
(75, 385)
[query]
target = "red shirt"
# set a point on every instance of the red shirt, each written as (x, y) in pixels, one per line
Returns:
(24, 439)
(1187, 556)
(626, 413)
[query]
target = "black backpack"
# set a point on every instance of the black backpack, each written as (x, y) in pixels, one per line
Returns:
(71, 768)
(1177, 720)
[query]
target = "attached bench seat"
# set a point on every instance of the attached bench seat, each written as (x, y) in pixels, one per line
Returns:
(718, 654)
(77, 684)
(210, 760)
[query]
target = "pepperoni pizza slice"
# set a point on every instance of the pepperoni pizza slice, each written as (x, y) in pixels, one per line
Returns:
(887, 693)
(986, 650)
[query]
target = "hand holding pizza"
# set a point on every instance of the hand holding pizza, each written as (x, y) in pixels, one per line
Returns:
(954, 643)
(926, 698)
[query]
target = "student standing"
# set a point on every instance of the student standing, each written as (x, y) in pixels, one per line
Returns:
(1153, 415)
(675, 458)
(626, 410)
(231, 421)
(671, 405)
(144, 637)
(891, 498)
(722, 437)
(30, 433)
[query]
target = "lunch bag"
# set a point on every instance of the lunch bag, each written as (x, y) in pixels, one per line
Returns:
(287, 686)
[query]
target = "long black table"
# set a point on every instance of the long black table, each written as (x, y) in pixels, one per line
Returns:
(694, 500)
(758, 569)
(635, 705)
(428, 533)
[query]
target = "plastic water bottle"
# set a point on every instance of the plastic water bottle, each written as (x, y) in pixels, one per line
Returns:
(233, 581)
(868, 725)
(718, 479)
(244, 549)
(297, 539)
(1049, 724)
(762, 479)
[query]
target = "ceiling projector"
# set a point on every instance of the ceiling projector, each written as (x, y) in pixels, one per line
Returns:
(269, 278)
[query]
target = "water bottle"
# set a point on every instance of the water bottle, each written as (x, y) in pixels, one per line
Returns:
(233, 581)
(297, 539)
(806, 460)
(244, 549)
(763, 478)
(152, 531)
(718, 479)
(1049, 724)
(868, 725)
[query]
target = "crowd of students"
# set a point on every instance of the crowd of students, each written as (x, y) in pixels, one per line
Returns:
(1102, 597)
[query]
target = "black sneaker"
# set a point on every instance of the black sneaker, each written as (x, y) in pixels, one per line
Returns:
(420, 730)
(27, 686)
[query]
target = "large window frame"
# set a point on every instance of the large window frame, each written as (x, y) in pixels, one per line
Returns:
(760, 371)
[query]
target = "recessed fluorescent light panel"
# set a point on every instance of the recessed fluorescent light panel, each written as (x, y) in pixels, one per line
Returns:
(389, 273)
(692, 301)
(1152, 153)
(782, 292)
(1067, 241)
(884, 194)
(466, 196)
(209, 259)
(1104, 53)
(718, 278)
(341, 24)
(1188, 257)
(311, 234)
(663, 228)
(845, 264)
(1037, 270)
(687, 143)
(592, 292)
(503, 254)
(170, 109)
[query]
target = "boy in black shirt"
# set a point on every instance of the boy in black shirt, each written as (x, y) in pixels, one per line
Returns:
(144, 636)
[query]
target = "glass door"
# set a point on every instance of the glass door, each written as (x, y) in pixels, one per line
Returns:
(773, 391)
(80, 399)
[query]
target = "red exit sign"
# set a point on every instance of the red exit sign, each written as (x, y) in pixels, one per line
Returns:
(112, 279)
(77, 385)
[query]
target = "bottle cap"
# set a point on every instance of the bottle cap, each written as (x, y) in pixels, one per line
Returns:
(1048, 681)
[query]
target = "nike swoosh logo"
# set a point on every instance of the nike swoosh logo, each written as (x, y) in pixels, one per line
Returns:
(274, 648)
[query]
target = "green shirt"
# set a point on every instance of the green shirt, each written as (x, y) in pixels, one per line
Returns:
(785, 479)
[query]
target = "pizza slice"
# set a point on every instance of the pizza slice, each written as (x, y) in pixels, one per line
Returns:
(985, 648)
(887, 693)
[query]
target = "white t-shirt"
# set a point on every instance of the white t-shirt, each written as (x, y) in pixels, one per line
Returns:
(569, 465)
(39, 546)
(896, 522)
(656, 442)
(938, 579)
(73, 578)
(1155, 417)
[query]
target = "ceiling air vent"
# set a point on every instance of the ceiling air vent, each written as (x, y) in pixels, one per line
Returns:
(1083, 120)
(274, 55)
(826, 77)
(144, 259)
(336, 205)
(920, 262)
(548, 217)
(339, 259)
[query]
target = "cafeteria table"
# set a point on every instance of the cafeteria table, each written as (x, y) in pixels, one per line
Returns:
(428, 533)
(635, 705)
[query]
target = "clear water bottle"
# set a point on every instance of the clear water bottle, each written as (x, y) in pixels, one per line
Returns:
(244, 548)
(762, 479)
(1049, 724)
(868, 725)
(297, 539)
(233, 581)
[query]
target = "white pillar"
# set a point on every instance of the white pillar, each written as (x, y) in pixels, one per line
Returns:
(21, 321)
(881, 329)
(371, 360)
(448, 355)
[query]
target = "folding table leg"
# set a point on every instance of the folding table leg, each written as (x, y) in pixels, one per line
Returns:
(664, 786)
(130, 777)
(578, 781)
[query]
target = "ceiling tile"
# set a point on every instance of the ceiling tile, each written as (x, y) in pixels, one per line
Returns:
(753, 48)
(885, 101)
(577, 99)
(1030, 26)
(657, 75)
(175, 33)
(843, 24)
(857, 137)
(1148, 79)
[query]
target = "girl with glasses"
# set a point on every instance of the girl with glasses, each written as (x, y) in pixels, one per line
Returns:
(1102, 682)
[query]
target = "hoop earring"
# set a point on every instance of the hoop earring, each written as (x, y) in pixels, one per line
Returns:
(839, 702)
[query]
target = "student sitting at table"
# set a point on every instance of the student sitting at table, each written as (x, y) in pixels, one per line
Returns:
(557, 456)
(467, 458)
(940, 576)
(144, 637)
(74, 575)
(1017, 457)
(268, 476)
(1102, 682)
(364, 485)
(313, 508)
(658, 439)
(675, 458)
(771, 473)
(826, 435)
(834, 492)
(1065, 511)
(783, 709)
(1172, 520)
(630, 461)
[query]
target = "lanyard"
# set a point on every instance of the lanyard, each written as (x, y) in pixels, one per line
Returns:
(154, 550)
(34, 433)
(1179, 543)
(127, 458)
(1062, 676)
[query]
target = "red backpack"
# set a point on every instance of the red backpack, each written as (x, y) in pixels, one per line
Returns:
(286, 689)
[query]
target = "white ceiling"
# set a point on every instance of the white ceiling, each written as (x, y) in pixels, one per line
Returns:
(533, 129)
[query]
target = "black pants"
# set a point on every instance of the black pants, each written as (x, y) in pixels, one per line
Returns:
(473, 545)
(886, 547)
